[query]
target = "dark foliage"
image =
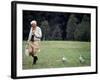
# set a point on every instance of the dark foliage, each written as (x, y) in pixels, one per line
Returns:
(58, 25)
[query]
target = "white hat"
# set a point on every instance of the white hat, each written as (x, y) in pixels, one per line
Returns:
(33, 22)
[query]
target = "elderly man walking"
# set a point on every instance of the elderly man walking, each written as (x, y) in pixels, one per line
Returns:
(34, 38)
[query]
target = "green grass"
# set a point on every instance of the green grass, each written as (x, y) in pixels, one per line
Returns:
(52, 52)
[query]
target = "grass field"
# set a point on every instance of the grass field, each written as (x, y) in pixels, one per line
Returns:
(52, 52)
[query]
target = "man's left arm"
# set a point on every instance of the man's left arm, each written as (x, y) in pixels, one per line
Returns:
(38, 33)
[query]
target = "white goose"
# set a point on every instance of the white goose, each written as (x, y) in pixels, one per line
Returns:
(81, 59)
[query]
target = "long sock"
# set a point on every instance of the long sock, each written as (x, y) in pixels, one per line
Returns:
(35, 59)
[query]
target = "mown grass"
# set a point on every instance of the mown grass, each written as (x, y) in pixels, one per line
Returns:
(52, 52)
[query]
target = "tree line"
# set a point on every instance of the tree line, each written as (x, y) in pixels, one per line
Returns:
(59, 25)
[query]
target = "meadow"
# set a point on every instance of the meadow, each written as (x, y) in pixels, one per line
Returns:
(52, 52)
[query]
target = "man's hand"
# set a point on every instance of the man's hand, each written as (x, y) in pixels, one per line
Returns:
(27, 44)
(33, 31)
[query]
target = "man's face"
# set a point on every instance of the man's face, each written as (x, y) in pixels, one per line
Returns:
(34, 26)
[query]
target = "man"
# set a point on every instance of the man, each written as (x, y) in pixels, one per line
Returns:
(34, 38)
